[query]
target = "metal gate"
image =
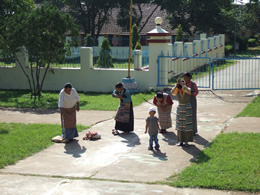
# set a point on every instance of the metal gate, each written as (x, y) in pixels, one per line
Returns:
(170, 68)
(232, 73)
(235, 73)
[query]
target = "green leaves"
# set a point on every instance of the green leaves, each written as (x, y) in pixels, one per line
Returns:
(135, 36)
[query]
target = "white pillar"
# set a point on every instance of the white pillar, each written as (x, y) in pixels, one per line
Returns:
(159, 46)
(86, 57)
(222, 45)
(211, 47)
(178, 48)
(203, 36)
(204, 50)
(137, 59)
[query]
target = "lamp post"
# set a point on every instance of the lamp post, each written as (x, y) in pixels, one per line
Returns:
(130, 39)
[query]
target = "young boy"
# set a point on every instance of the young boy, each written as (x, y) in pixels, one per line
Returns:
(153, 128)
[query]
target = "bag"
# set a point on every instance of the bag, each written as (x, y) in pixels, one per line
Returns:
(92, 136)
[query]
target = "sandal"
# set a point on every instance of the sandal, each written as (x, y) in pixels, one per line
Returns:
(115, 132)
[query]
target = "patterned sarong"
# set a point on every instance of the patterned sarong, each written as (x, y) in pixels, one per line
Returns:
(165, 117)
(184, 123)
(123, 113)
(68, 117)
(68, 120)
(125, 117)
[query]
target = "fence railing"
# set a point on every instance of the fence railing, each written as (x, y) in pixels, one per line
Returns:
(6, 59)
(117, 59)
(170, 68)
(236, 73)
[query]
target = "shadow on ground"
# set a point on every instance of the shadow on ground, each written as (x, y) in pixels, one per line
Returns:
(73, 148)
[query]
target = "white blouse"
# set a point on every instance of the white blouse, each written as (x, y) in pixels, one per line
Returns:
(68, 100)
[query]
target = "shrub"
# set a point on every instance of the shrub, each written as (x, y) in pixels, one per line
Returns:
(228, 49)
(180, 33)
(135, 36)
(252, 43)
(138, 46)
(88, 41)
(104, 59)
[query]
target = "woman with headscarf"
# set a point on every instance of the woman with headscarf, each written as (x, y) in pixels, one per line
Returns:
(164, 102)
(125, 115)
(193, 101)
(184, 114)
(68, 98)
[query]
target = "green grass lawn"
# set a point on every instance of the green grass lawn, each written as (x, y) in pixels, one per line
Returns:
(252, 109)
(19, 141)
(49, 100)
(230, 163)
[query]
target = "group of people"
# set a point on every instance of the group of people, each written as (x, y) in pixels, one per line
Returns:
(186, 120)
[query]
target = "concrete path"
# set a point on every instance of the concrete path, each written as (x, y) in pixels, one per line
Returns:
(51, 116)
(103, 166)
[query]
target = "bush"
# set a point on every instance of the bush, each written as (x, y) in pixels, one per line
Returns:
(105, 60)
(252, 43)
(135, 36)
(180, 34)
(138, 46)
(88, 41)
(228, 49)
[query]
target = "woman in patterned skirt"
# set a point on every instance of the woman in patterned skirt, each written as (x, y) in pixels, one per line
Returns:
(164, 102)
(193, 101)
(67, 100)
(125, 115)
(184, 114)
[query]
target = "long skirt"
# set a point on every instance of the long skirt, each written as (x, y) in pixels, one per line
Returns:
(68, 120)
(184, 123)
(165, 117)
(193, 102)
(125, 117)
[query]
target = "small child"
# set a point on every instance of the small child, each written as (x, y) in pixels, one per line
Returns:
(153, 128)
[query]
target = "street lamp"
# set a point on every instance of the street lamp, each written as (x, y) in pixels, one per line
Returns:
(130, 39)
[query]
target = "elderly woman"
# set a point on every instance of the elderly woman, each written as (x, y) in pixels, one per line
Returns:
(193, 101)
(125, 115)
(68, 98)
(184, 114)
(164, 106)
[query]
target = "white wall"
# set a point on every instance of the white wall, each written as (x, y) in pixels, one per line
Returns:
(103, 80)
(83, 79)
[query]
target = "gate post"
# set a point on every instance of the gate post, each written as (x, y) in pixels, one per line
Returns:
(159, 45)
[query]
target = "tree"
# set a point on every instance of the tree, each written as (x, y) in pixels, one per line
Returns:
(91, 15)
(252, 21)
(42, 32)
(137, 13)
(196, 15)
(135, 36)
(9, 8)
(105, 59)
(138, 46)
(179, 36)
(89, 41)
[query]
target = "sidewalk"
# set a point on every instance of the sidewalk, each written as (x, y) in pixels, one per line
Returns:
(100, 167)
